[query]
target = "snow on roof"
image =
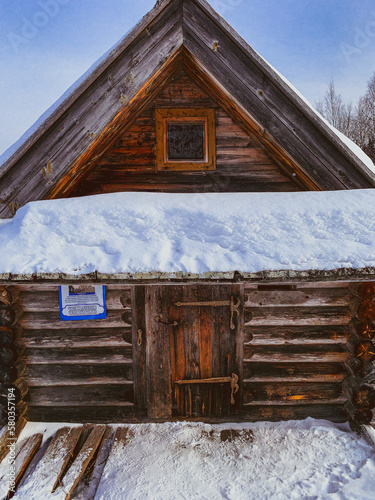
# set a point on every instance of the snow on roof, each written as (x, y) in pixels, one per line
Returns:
(191, 233)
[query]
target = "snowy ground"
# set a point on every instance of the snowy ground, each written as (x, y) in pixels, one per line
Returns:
(304, 460)
(191, 233)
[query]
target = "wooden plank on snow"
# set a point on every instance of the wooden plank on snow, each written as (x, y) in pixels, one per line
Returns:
(86, 488)
(121, 439)
(52, 466)
(84, 457)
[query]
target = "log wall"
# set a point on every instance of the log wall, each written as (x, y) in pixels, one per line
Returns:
(295, 350)
(308, 351)
(359, 387)
(13, 388)
(130, 165)
(80, 370)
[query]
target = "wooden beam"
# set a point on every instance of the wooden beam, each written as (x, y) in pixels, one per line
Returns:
(82, 460)
(86, 488)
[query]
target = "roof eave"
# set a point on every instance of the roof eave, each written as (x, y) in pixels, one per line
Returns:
(267, 276)
(288, 90)
(146, 20)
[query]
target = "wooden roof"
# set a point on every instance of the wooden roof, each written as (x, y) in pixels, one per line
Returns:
(176, 35)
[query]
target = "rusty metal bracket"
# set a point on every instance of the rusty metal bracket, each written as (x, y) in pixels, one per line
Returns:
(234, 310)
(233, 380)
(234, 307)
(213, 380)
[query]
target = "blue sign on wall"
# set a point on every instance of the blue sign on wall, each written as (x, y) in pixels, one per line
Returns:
(78, 302)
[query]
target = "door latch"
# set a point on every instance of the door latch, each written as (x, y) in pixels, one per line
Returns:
(139, 340)
(234, 388)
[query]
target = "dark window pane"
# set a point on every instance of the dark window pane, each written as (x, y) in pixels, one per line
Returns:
(185, 141)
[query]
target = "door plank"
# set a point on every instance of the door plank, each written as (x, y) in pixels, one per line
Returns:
(158, 351)
(205, 294)
(177, 349)
(192, 359)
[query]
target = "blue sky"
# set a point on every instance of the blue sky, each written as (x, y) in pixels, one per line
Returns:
(45, 45)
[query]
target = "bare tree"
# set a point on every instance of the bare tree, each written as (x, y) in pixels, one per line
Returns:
(364, 131)
(335, 111)
(356, 123)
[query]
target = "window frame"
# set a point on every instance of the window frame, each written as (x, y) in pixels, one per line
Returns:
(164, 116)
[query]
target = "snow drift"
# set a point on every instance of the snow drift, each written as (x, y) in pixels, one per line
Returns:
(193, 233)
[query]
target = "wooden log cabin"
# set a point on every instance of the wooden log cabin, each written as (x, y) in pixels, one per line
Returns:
(184, 105)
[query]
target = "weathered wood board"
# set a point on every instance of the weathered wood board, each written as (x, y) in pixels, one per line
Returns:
(52, 465)
(295, 349)
(193, 335)
(82, 460)
(86, 488)
(82, 370)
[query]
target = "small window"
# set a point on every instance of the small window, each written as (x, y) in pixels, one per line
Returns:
(185, 139)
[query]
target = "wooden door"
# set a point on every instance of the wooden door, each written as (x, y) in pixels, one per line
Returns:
(194, 333)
